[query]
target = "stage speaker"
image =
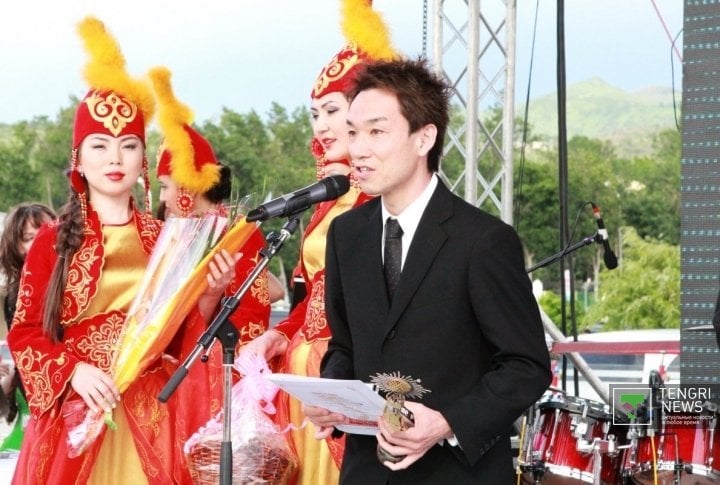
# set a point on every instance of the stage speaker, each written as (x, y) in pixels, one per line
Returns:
(700, 193)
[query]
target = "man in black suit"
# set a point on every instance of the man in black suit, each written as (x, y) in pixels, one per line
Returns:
(462, 318)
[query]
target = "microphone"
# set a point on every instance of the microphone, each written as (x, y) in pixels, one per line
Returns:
(299, 200)
(609, 257)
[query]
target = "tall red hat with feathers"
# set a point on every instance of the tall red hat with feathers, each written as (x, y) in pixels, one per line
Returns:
(116, 104)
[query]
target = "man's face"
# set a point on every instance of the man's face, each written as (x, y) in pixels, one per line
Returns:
(387, 158)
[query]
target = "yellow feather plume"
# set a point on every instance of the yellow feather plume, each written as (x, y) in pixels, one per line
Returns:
(366, 28)
(173, 116)
(105, 68)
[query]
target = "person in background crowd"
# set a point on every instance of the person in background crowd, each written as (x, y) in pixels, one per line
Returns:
(21, 227)
(302, 339)
(423, 287)
(80, 277)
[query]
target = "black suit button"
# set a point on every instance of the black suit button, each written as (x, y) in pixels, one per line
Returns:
(391, 335)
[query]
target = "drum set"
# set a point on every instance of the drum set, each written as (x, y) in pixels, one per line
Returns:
(570, 440)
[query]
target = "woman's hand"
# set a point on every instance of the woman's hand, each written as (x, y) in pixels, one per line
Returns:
(268, 345)
(7, 372)
(95, 387)
(221, 272)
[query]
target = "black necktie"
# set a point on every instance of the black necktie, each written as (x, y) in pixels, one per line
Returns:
(393, 254)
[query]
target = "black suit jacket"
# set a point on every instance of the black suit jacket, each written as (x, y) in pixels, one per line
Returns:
(463, 320)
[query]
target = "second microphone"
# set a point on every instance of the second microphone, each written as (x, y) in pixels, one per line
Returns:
(300, 200)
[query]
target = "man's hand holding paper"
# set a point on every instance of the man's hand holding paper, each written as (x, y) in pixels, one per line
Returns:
(351, 406)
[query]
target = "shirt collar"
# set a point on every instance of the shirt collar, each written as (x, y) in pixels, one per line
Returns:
(410, 217)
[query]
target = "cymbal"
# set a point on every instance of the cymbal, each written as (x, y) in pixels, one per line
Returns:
(700, 328)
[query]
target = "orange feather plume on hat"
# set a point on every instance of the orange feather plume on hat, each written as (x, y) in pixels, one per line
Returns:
(185, 155)
(368, 40)
(106, 71)
(365, 27)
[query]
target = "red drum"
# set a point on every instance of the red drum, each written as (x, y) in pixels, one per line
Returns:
(570, 442)
(686, 451)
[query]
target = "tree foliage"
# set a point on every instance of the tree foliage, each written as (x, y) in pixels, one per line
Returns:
(269, 156)
(18, 178)
(551, 305)
(644, 291)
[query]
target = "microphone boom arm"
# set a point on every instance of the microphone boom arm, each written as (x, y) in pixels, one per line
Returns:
(586, 241)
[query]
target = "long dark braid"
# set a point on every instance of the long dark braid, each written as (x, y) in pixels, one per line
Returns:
(69, 239)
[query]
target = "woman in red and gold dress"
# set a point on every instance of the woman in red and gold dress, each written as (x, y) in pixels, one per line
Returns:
(194, 183)
(79, 279)
(302, 339)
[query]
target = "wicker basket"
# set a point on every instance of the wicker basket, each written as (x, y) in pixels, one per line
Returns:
(261, 460)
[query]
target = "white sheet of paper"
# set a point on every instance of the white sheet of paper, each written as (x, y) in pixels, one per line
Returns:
(352, 398)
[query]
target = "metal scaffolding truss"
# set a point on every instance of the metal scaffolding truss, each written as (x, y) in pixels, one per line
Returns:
(474, 49)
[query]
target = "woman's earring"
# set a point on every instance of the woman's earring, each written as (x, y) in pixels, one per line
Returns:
(146, 185)
(185, 202)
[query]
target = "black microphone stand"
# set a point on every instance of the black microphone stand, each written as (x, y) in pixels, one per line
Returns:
(226, 333)
(586, 241)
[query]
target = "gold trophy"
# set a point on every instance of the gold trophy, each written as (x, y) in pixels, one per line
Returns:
(396, 389)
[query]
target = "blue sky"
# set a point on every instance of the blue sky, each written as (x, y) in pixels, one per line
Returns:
(245, 54)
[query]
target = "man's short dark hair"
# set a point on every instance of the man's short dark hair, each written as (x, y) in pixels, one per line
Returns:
(424, 97)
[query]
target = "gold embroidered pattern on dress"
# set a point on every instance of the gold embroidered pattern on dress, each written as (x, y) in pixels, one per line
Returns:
(260, 290)
(97, 344)
(315, 315)
(147, 412)
(46, 453)
(35, 367)
(79, 282)
(336, 68)
(250, 331)
(113, 112)
(24, 293)
(149, 230)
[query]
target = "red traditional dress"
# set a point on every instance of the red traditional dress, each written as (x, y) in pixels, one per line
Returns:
(200, 395)
(103, 279)
(188, 158)
(308, 333)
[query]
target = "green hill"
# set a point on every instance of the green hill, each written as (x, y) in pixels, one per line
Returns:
(597, 110)
(594, 109)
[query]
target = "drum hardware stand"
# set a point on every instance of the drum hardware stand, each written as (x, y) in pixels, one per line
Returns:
(712, 407)
(679, 466)
(579, 425)
(537, 468)
(598, 447)
(534, 466)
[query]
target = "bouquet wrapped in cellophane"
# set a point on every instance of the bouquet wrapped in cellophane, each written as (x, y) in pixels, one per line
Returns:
(174, 280)
(260, 452)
